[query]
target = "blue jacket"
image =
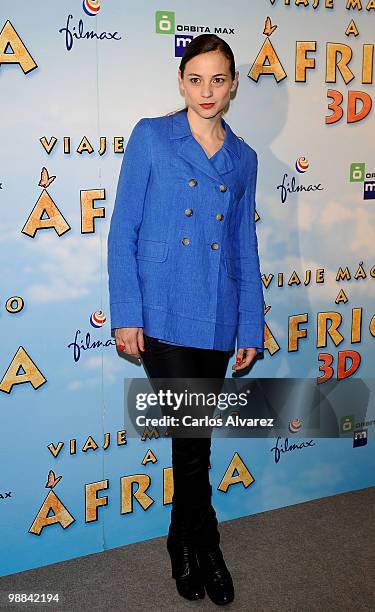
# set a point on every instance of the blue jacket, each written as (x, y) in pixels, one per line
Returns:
(183, 258)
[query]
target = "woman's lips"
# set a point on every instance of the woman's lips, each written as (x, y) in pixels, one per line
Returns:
(207, 105)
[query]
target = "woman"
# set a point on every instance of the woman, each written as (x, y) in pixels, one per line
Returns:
(184, 280)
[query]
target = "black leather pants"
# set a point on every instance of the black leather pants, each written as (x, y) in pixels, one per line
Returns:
(193, 518)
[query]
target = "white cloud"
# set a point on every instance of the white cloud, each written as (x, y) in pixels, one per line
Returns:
(323, 473)
(75, 385)
(277, 329)
(284, 369)
(78, 385)
(94, 362)
(67, 267)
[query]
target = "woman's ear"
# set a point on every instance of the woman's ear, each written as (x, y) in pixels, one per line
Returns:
(235, 81)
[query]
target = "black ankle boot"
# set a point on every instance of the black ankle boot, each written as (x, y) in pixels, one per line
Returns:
(185, 570)
(215, 574)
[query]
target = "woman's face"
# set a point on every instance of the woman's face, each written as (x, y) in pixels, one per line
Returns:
(207, 80)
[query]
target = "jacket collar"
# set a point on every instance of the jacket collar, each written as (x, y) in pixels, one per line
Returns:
(181, 128)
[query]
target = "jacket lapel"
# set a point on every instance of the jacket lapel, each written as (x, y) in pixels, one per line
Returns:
(189, 149)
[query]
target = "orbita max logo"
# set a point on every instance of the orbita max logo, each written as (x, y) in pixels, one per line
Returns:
(165, 24)
(359, 174)
(91, 7)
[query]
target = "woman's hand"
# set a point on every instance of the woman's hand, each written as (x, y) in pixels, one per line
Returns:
(244, 358)
(130, 340)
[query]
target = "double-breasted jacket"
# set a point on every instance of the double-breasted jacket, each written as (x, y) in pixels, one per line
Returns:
(183, 259)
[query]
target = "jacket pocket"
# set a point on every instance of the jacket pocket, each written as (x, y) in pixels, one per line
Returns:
(152, 250)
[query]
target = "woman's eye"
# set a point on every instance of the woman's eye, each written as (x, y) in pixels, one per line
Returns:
(219, 80)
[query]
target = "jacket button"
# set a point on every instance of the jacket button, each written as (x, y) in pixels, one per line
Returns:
(185, 241)
(219, 216)
(193, 182)
(214, 245)
(223, 187)
(188, 212)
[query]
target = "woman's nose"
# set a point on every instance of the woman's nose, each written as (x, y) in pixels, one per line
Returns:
(206, 91)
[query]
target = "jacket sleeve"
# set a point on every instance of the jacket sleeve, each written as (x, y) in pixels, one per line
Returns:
(250, 331)
(125, 298)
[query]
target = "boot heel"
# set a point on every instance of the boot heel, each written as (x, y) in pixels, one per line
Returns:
(173, 568)
(185, 571)
(172, 556)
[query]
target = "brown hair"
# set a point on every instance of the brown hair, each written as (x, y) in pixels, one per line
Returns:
(203, 44)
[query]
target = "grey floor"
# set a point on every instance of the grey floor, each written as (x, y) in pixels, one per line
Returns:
(318, 555)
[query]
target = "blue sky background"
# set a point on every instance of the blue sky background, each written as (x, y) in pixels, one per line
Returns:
(102, 88)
